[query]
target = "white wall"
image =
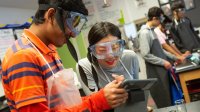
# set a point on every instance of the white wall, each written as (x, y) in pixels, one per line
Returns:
(15, 15)
(132, 12)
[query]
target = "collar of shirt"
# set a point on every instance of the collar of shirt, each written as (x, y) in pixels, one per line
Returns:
(50, 49)
(150, 28)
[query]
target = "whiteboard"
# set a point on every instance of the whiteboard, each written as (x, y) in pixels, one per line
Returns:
(130, 30)
(6, 40)
(18, 33)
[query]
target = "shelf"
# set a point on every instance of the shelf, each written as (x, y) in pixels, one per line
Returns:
(195, 96)
(194, 91)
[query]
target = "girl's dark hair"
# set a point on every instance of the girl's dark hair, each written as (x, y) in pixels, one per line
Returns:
(154, 12)
(177, 5)
(166, 20)
(101, 30)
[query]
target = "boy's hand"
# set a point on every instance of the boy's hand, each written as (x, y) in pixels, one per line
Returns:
(115, 95)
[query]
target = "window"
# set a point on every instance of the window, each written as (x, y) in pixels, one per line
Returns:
(165, 5)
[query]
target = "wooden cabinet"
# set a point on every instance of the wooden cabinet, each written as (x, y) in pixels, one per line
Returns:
(188, 77)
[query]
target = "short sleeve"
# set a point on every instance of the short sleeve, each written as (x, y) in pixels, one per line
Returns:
(24, 80)
(161, 36)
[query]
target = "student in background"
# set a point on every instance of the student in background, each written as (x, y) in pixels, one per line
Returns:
(156, 58)
(107, 59)
(183, 31)
(32, 60)
(161, 32)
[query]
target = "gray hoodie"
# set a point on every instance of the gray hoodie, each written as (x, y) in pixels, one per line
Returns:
(146, 37)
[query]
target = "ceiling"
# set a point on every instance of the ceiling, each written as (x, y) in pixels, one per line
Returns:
(25, 4)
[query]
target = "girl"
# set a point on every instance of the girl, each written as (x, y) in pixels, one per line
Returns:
(107, 60)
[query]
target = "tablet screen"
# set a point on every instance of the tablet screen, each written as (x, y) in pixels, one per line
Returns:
(138, 84)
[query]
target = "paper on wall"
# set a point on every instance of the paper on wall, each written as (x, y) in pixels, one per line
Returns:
(6, 40)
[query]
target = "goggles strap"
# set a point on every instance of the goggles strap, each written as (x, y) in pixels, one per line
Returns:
(60, 22)
(126, 69)
(70, 46)
(72, 50)
(59, 19)
(107, 78)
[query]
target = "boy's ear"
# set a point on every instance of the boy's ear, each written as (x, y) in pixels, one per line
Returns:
(50, 15)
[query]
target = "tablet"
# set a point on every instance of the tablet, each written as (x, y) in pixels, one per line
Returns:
(138, 84)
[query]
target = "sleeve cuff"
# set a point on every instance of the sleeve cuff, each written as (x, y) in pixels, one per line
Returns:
(162, 62)
(100, 100)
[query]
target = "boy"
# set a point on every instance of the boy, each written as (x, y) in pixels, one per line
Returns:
(156, 58)
(182, 31)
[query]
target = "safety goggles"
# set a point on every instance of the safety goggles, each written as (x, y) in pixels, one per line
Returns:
(75, 22)
(168, 26)
(161, 18)
(103, 50)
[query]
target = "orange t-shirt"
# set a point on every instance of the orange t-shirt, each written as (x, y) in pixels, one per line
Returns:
(25, 74)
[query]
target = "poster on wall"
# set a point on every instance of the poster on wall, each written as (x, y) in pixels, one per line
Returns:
(108, 10)
(189, 4)
(164, 1)
(166, 9)
(18, 33)
(139, 3)
(91, 13)
(6, 40)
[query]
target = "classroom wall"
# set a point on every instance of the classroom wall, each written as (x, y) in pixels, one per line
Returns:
(19, 16)
(194, 14)
(131, 12)
(15, 15)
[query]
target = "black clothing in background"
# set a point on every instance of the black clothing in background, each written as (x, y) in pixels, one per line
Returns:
(184, 35)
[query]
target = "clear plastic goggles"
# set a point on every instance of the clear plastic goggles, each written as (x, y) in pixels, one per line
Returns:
(103, 50)
(75, 22)
(161, 18)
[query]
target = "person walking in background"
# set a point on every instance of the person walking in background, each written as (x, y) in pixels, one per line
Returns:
(166, 41)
